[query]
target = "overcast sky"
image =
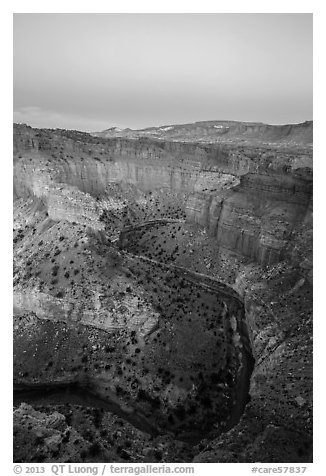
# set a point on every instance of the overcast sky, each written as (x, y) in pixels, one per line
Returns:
(94, 71)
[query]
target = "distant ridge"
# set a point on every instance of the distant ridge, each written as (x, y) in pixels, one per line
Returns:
(221, 131)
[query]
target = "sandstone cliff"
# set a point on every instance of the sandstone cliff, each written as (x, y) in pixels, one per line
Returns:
(239, 214)
(255, 218)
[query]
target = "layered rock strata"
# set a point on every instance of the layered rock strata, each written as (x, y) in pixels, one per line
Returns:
(248, 214)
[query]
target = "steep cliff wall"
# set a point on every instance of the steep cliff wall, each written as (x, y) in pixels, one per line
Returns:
(250, 199)
(122, 324)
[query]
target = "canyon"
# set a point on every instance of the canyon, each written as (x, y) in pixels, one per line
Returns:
(163, 294)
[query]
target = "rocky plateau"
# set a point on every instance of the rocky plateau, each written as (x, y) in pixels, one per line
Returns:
(163, 294)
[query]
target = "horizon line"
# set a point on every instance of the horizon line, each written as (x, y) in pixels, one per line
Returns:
(172, 124)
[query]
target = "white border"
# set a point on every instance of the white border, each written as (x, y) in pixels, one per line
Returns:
(167, 6)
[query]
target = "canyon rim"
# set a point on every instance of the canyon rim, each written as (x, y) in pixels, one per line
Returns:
(163, 294)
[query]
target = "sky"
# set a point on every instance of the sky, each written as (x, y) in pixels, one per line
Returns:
(94, 71)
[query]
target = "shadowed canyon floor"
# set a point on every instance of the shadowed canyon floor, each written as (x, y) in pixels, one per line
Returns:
(163, 296)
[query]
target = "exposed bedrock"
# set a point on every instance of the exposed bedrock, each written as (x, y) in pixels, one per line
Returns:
(145, 324)
(161, 340)
(83, 431)
(181, 359)
(249, 199)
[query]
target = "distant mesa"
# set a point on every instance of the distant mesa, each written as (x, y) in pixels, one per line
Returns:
(221, 131)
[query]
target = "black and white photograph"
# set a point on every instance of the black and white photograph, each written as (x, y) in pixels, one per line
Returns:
(162, 241)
